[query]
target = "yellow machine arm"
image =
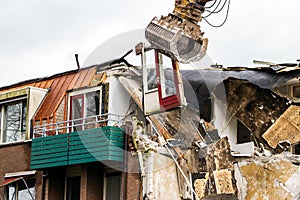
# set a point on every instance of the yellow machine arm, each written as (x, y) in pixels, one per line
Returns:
(178, 33)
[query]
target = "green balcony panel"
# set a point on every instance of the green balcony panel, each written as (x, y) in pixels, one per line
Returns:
(100, 144)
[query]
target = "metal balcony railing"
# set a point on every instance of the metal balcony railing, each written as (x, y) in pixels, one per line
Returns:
(79, 124)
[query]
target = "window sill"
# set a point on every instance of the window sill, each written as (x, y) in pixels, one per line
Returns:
(15, 143)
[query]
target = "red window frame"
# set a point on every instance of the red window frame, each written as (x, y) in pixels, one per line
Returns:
(173, 100)
(79, 96)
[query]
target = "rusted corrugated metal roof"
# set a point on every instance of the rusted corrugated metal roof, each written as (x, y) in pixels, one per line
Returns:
(58, 85)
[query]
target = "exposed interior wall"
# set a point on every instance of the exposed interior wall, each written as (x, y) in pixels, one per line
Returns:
(161, 177)
(224, 122)
(119, 99)
(35, 98)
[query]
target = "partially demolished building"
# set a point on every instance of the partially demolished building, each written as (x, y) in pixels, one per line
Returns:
(117, 131)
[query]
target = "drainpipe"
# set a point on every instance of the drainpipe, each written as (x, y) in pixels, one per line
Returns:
(125, 166)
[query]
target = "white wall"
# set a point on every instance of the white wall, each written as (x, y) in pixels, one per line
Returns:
(35, 98)
(119, 99)
(225, 122)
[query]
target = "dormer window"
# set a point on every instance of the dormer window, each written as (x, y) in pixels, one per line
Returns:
(85, 104)
(17, 107)
(13, 120)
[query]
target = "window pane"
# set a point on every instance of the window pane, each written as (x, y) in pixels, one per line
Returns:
(283, 90)
(24, 192)
(296, 91)
(92, 103)
(24, 111)
(73, 188)
(77, 111)
(167, 76)
(12, 123)
(77, 105)
(113, 186)
(11, 192)
(151, 70)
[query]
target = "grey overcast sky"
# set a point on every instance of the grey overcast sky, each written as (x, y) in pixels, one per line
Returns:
(40, 37)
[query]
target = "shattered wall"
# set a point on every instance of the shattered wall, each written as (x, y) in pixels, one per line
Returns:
(273, 178)
(286, 128)
(255, 107)
(212, 170)
(160, 181)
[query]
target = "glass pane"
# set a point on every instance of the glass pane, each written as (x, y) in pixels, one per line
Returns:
(77, 105)
(113, 187)
(167, 76)
(23, 126)
(104, 100)
(151, 70)
(73, 188)
(283, 90)
(296, 91)
(92, 103)
(12, 123)
(11, 192)
(77, 112)
(24, 192)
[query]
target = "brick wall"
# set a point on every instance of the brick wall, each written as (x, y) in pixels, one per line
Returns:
(60, 112)
(16, 158)
(91, 187)
(132, 180)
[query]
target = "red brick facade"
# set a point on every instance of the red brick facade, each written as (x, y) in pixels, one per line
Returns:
(16, 158)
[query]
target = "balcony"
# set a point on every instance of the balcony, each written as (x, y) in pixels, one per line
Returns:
(97, 138)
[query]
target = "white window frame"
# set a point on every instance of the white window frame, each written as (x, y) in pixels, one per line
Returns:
(84, 92)
(5, 103)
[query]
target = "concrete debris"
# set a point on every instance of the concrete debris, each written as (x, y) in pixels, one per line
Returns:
(285, 129)
(245, 149)
(216, 167)
(219, 163)
(200, 186)
(255, 107)
(275, 177)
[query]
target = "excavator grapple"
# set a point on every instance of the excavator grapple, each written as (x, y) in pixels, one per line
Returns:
(178, 33)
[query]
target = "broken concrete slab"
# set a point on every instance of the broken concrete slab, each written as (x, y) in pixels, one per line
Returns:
(223, 180)
(286, 128)
(219, 164)
(268, 178)
(255, 107)
(243, 150)
(200, 186)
